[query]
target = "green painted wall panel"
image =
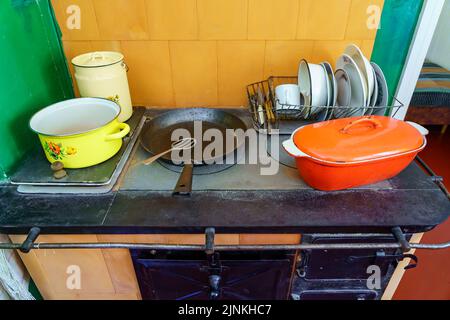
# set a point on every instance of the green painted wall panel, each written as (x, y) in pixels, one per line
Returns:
(398, 23)
(33, 74)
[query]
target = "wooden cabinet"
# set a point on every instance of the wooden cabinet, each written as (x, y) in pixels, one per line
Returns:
(102, 274)
(109, 273)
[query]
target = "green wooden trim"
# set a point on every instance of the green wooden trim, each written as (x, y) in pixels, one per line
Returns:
(398, 23)
(3, 176)
(34, 73)
(34, 290)
(65, 76)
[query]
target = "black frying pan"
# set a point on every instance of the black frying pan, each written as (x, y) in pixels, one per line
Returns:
(156, 137)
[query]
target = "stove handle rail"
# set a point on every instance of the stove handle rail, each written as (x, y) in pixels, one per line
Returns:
(210, 248)
(150, 246)
(438, 180)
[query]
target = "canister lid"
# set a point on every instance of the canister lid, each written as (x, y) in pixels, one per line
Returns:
(97, 59)
(357, 139)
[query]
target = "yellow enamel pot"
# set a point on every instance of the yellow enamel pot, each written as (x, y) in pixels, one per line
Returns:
(80, 132)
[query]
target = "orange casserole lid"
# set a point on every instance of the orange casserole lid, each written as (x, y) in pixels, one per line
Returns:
(357, 139)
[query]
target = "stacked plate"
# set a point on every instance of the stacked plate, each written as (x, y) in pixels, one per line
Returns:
(358, 87)
(318, 87)
(362, 87)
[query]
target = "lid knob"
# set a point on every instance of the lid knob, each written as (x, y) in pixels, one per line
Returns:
(375, 123)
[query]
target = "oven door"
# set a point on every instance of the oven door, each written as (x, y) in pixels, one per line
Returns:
(233, 276)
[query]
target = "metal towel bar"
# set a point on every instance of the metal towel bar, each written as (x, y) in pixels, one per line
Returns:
(148, 246)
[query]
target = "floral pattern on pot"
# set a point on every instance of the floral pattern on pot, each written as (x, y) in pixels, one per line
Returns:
(57, 151)
(115, 99)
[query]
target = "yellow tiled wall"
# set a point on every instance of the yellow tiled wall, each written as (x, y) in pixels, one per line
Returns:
(204, 52)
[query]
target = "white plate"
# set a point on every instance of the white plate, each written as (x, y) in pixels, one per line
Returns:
(373, 99)
(304, 83)
(383, 91)
(329, 93)
(357, 82)
(364, 66)
(357, 100)
(323, 113)
(344, 92)
(312, 80)
(333, 83)
(334, 90)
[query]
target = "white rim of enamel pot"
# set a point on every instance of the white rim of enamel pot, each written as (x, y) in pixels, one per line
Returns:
(74, 117)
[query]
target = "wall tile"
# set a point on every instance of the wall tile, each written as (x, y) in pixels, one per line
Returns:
(112, 45)
(172, 19)
(180, 70)
(357, 23)
(323, 19)
(272, 20)
(331, 50)
(74, 48)
(121, 19)
(239, 64)
(194, 72)
(282, 57)
(149, 76)
(222, 19)
(88, 22)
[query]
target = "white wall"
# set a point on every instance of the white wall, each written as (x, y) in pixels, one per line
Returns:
(439, 51)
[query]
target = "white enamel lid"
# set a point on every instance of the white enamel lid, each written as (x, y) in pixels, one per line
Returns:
(97, 59)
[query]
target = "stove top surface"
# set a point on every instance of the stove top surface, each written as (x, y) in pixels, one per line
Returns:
(163, 177)
(226, 200)
(35, 176)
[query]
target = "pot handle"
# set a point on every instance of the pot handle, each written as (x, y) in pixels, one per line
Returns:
(292, 149)
(374, 122)
(125, 66)
(97, 55)
(423, 131)
(124, 130)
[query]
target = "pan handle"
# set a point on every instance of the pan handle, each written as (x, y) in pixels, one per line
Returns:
(184, 184)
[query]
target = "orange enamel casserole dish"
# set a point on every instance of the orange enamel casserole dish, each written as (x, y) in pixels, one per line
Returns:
(350, 152)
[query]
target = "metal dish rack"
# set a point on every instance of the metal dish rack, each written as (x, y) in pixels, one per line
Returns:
(271, 116)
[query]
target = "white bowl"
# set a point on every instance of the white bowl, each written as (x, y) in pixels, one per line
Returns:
(312, 81)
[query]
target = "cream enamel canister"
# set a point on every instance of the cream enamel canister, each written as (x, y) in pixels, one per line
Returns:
(103, 74)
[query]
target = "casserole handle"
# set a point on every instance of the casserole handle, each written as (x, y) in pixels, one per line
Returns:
(374, 122)
(124, 130)
(423, 131)
(292, 149)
